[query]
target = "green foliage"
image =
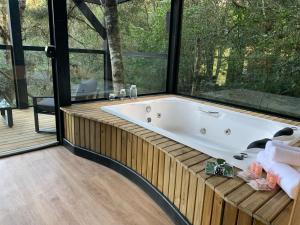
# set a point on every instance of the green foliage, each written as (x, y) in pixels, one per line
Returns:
(259, 43)
(143, 29)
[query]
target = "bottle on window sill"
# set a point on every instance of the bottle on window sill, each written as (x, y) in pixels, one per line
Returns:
(133, 91)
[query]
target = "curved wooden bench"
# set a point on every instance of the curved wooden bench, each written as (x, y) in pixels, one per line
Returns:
(175, 169)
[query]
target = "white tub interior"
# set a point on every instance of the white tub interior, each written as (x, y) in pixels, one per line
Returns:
(217, 132)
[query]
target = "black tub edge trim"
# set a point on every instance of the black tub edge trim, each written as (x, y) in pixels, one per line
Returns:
(134, 177)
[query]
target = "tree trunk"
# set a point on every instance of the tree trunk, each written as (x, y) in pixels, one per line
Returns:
(219, 62)
(235, 66)
(197, 66)
(114, 43)
(210, 54)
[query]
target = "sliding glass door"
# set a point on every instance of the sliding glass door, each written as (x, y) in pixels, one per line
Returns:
(26, 98)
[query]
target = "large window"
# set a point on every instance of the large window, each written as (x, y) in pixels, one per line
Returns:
(4, 34)
(81, 32)
(87, 67)
(145, 37)
(34, 22)
(7, 87)
(38, 74)
(242, 52)
(86, 55)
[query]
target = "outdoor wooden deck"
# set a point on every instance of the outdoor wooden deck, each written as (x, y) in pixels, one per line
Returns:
(22, 135)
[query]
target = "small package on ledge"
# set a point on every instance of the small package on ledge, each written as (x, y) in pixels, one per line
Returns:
(254, 172)
(219, 168)
(260, 185)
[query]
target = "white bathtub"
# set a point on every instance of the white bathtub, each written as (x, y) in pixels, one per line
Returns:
(217, 132)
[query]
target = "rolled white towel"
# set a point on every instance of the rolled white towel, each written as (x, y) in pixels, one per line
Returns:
(289, 177)
(280, 152)
(292, 140)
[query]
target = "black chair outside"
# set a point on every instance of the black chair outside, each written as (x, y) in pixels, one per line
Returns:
(6, 112)
(45, 105)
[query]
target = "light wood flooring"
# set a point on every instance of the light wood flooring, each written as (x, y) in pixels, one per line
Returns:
(55, 187)
(22, 135)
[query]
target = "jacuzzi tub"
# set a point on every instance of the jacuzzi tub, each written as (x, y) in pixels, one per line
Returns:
(217, 132)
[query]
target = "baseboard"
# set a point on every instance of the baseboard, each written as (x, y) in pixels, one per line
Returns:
(130, 174)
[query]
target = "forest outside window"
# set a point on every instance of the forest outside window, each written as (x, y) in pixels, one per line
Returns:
(242, 52)
(145, 40)
(87, 64)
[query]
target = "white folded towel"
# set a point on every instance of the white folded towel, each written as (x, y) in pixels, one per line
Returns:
(280, 152)
(289, 177)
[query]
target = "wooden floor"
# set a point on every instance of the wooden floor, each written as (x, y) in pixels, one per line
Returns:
(56, 187)
(22, 135)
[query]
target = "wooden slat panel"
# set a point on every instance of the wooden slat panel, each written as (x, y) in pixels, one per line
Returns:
(73, 129)
(134, 152)
(229, 186)
(87, 133)
(257, 222)
(103, 138)
(217, 210)
(119, 145)
(239, 194)
(77, 131)
(191, 198)
(295, 217)
(71, 124)
(108, 140)
(171, 191)
(230, 214)
(129, 150)
(66, 125)
(178, 183)
(150, 162)
(139, 155)
(255, 201)
(244, 219)
(82, 139)
(166, 175)
(155, 166)
(184, 191)
(114, 142)
(284, 217)
(272, 208)
(144, 158)
(124, 147)
(98, 137)
(161, 170)
(92, 135)
(207, 209)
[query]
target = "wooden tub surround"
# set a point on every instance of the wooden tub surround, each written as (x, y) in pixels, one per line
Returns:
(175, 170)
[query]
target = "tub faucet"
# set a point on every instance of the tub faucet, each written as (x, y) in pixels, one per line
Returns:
(212, 113)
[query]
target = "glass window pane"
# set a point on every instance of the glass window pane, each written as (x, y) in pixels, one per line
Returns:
(34, 22)
(81, 32)
(146, 73)
(7, 87)
(4, 34)
(39, 74)
(87, 75)
(245, 54)
(145, 40)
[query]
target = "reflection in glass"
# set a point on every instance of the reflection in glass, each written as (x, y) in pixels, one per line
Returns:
(87, 75)
(39, 74)
(147, 73)
(7, 87)
(34, 22)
